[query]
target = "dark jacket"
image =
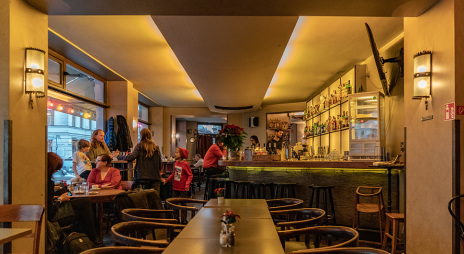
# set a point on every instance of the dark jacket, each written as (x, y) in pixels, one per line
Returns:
(145, 168)
(110, 137)
(123, 136)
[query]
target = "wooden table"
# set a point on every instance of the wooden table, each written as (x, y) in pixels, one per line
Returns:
(254, 232)
(10, 234)
(101, 196)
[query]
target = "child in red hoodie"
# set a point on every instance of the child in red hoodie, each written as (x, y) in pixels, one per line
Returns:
(182, 174)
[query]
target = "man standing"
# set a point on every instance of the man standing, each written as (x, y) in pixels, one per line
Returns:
(278, 140)
(210, 164)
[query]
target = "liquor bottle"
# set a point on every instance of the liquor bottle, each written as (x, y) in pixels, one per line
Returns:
(348, 88)
(339, 123)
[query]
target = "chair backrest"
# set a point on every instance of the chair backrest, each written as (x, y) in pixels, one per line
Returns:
(348, 250)
(135, 233)
(367, 194)
(344, 236)
(284, 203)
(144, 199)
(299, 218)
(124, 250)
(16, 213)
(179, 205)
(135, 214)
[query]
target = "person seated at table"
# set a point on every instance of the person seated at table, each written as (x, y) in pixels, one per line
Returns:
(105, 176)
(98, 146)
(84, 215)
(148, 166)
(81, 163)
(182, 175)
(198, 161)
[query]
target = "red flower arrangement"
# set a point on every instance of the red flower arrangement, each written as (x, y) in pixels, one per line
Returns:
(232, 136)
(219, 192)
(229, 217)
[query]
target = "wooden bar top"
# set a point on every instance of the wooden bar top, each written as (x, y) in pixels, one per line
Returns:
(298, 164)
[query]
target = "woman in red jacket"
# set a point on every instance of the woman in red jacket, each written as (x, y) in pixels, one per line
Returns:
(182, 175)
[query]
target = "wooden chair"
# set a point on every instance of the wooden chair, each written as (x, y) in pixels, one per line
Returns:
(335, 236)
(348, 250)
(17, 213)
(136, 233)
(299, 218)
(284, 204)
(161, 216)
(124, 250)
(179, 205)
(369, 200)
(394, 220)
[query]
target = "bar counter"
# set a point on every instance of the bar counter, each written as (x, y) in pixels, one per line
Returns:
(345, 176)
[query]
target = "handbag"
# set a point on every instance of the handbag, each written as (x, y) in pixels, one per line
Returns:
(65, 214)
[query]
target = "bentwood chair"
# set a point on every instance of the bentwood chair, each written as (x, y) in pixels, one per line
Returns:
(136, 214)
(284, 203)
(31, 213)
(124, 250)
(324, 236)
(299, 218)
(138, 233)
(179, 205)
(348, 250)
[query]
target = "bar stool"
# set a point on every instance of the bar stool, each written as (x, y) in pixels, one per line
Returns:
(374, 204)
(255, 187)
(327, 198)
(394, 219)
(287, 190)
(245, 185)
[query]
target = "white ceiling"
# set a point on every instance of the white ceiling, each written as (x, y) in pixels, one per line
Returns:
(198, 61)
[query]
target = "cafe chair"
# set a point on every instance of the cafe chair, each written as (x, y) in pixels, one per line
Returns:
(124, 250)
(29, 213)
(284, 203)
(161, 216)
(138, 233)
(323, 237)
(179, 205)
(369, 200)
(347, 250)
(299, 218)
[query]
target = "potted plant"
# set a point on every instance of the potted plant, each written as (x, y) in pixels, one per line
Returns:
(233, 137)
(220, 194)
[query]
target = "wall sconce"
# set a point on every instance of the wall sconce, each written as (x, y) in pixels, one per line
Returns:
(34, 73)
(422, 74)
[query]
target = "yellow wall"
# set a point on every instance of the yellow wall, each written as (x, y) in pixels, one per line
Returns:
(22, 26)
(429, 165)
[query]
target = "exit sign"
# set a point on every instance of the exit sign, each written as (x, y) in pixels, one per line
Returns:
(459, 110)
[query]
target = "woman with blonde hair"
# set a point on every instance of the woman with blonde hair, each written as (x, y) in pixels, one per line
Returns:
(148, 166)
(98, 145)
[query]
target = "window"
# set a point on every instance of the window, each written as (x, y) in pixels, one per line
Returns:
(83, 84)
(143, 119)
(54, 70)
(209, 128)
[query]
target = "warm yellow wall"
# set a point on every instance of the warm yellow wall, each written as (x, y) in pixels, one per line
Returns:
(428, 167)
(156, 119)
(27, 28)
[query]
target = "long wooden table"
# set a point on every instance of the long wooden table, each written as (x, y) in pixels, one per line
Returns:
(10, 234)
(99, 197)
(254, 232)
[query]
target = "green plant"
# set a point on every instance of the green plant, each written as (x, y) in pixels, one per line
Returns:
(232, 136)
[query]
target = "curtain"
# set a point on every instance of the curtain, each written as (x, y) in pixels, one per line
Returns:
(203, 144)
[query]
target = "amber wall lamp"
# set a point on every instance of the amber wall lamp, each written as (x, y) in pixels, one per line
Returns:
(35, 73)
(422, 74)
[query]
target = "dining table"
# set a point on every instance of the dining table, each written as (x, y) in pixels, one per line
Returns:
(254, 231)
(9, 234)
(98, 197)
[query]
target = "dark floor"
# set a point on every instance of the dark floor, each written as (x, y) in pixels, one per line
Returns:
(364, 234)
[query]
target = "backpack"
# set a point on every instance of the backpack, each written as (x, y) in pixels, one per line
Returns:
(78, 242)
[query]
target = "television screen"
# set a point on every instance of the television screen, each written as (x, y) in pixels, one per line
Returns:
(209, 128)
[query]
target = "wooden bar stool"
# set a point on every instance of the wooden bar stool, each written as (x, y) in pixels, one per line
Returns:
(369, 200)
(393, 219)
(287, 190)
(327, 198)
(245, 185)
